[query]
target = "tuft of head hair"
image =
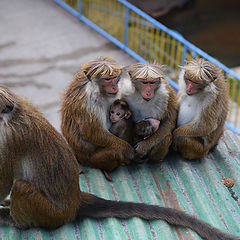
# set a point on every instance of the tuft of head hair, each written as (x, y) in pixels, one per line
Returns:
(200, 71)
(145, 71)
(103, 65)
(124, 105)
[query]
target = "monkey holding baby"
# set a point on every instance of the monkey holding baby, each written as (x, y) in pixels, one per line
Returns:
(40, 171)
(84, 112)
(150, 96)
(203, 107)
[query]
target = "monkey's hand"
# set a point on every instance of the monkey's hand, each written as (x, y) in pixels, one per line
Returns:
(141, 151)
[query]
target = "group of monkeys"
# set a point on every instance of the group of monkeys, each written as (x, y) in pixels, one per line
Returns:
(151, 117)
(39, 167)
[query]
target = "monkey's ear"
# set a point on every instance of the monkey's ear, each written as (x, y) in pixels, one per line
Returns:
(128, 114)
(88, 77)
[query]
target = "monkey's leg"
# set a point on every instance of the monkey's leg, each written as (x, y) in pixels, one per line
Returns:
(191, 148)
(160, 150)
(106, 159)
(30, 208)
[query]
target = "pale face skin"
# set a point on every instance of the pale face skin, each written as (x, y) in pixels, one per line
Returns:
(147, 87)
(116, 113)
(193, 87)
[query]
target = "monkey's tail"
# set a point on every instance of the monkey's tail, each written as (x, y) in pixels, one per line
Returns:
(95, 207)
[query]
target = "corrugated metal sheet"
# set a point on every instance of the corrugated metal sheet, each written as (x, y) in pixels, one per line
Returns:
(194, 187)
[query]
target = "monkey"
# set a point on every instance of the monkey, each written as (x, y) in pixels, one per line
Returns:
(122, 124)
(203, 108)
(149, 95)
(120, 117)
(146, 127)
(40, 171)
(85, 110)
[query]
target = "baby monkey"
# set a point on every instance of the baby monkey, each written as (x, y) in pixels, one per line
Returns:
(121, 118)
(145, 128)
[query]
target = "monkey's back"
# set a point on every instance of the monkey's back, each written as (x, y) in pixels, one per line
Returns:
(43, 156)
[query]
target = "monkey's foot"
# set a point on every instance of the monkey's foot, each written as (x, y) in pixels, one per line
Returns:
(107, 176)
(5, 203)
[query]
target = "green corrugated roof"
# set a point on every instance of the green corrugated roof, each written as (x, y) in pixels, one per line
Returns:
(194, 187)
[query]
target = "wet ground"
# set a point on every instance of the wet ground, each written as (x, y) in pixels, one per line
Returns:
(211, 25)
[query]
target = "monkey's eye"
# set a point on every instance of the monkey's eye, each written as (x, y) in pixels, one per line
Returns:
(144, 82)
(7, 109)
(118, 114)
(107, 79)
(112, 112)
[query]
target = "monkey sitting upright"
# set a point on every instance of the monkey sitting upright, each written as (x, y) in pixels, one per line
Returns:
(84, 111)
(203, 107)
(40, 170)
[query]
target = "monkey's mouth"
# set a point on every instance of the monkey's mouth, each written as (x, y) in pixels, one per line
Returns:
(147, 99)
(112, 94)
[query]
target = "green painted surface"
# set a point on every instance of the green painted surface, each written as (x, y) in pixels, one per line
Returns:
(194, 187)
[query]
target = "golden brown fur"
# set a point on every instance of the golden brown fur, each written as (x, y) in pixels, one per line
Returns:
(195, 137)
(85, 118)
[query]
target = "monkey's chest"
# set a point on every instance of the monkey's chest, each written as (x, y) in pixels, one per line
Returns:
(189, 110)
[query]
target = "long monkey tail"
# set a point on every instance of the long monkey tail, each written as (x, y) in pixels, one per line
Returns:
(95, 207)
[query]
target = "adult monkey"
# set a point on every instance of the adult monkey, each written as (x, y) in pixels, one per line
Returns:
(149, 95)
(85, 116)
(40, 170)
(203, 107)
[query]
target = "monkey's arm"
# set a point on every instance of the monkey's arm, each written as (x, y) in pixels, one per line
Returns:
(203, 125)
(111, 151)
(168, 123)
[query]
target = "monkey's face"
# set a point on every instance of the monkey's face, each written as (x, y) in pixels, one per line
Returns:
(193, 87)
(109, 85)
(116, 113)
(147, 88)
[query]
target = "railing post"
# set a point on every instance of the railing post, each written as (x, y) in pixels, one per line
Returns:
(184, 55)
(80, 7)
(126, 18)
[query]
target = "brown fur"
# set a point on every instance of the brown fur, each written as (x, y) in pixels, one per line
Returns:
(84, 119)
(123, 128)
(194, 139)
(35, 155)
